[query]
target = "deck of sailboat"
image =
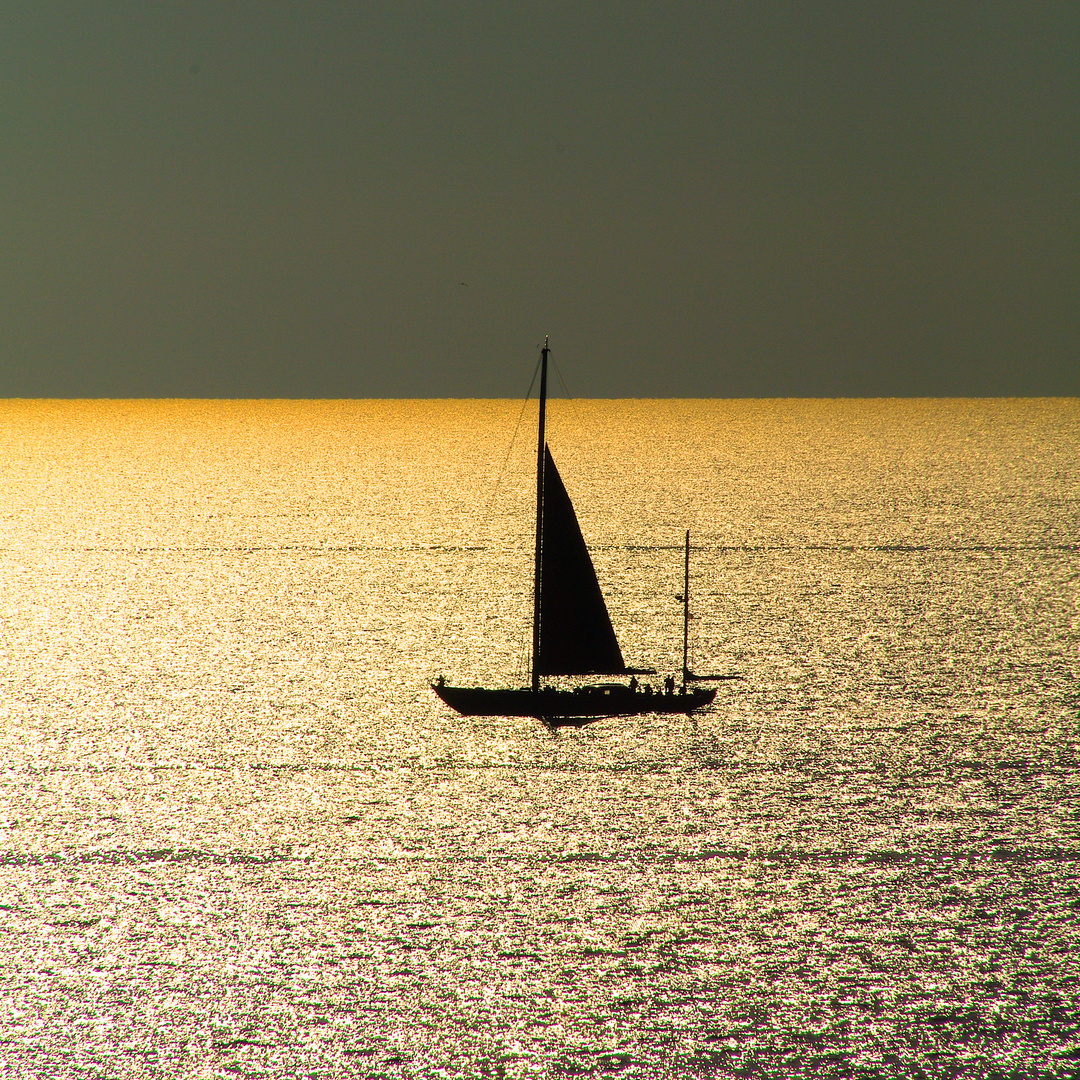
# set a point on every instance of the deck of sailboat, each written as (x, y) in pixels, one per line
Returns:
(582, 702)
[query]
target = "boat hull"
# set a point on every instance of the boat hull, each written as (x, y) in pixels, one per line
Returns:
(574, 707)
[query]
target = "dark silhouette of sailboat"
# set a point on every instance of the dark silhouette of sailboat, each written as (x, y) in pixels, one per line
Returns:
(572, 631)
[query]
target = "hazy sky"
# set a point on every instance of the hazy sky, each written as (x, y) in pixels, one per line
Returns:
(330, 199)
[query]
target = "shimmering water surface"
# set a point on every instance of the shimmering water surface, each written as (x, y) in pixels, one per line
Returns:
(240, 836)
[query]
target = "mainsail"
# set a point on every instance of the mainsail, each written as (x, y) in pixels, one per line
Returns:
(575, 636)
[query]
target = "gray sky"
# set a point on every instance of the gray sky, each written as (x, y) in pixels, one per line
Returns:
(358, 199)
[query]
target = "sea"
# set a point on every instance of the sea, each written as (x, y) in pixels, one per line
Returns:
(241, 837)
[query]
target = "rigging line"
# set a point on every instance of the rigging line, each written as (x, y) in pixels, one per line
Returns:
(513, 438)
(470, 564)
(558, 373)
(571, 415)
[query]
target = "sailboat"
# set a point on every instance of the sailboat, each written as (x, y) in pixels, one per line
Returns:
(572, 631)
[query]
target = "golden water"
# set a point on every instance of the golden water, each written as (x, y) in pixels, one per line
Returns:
(240, 836)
